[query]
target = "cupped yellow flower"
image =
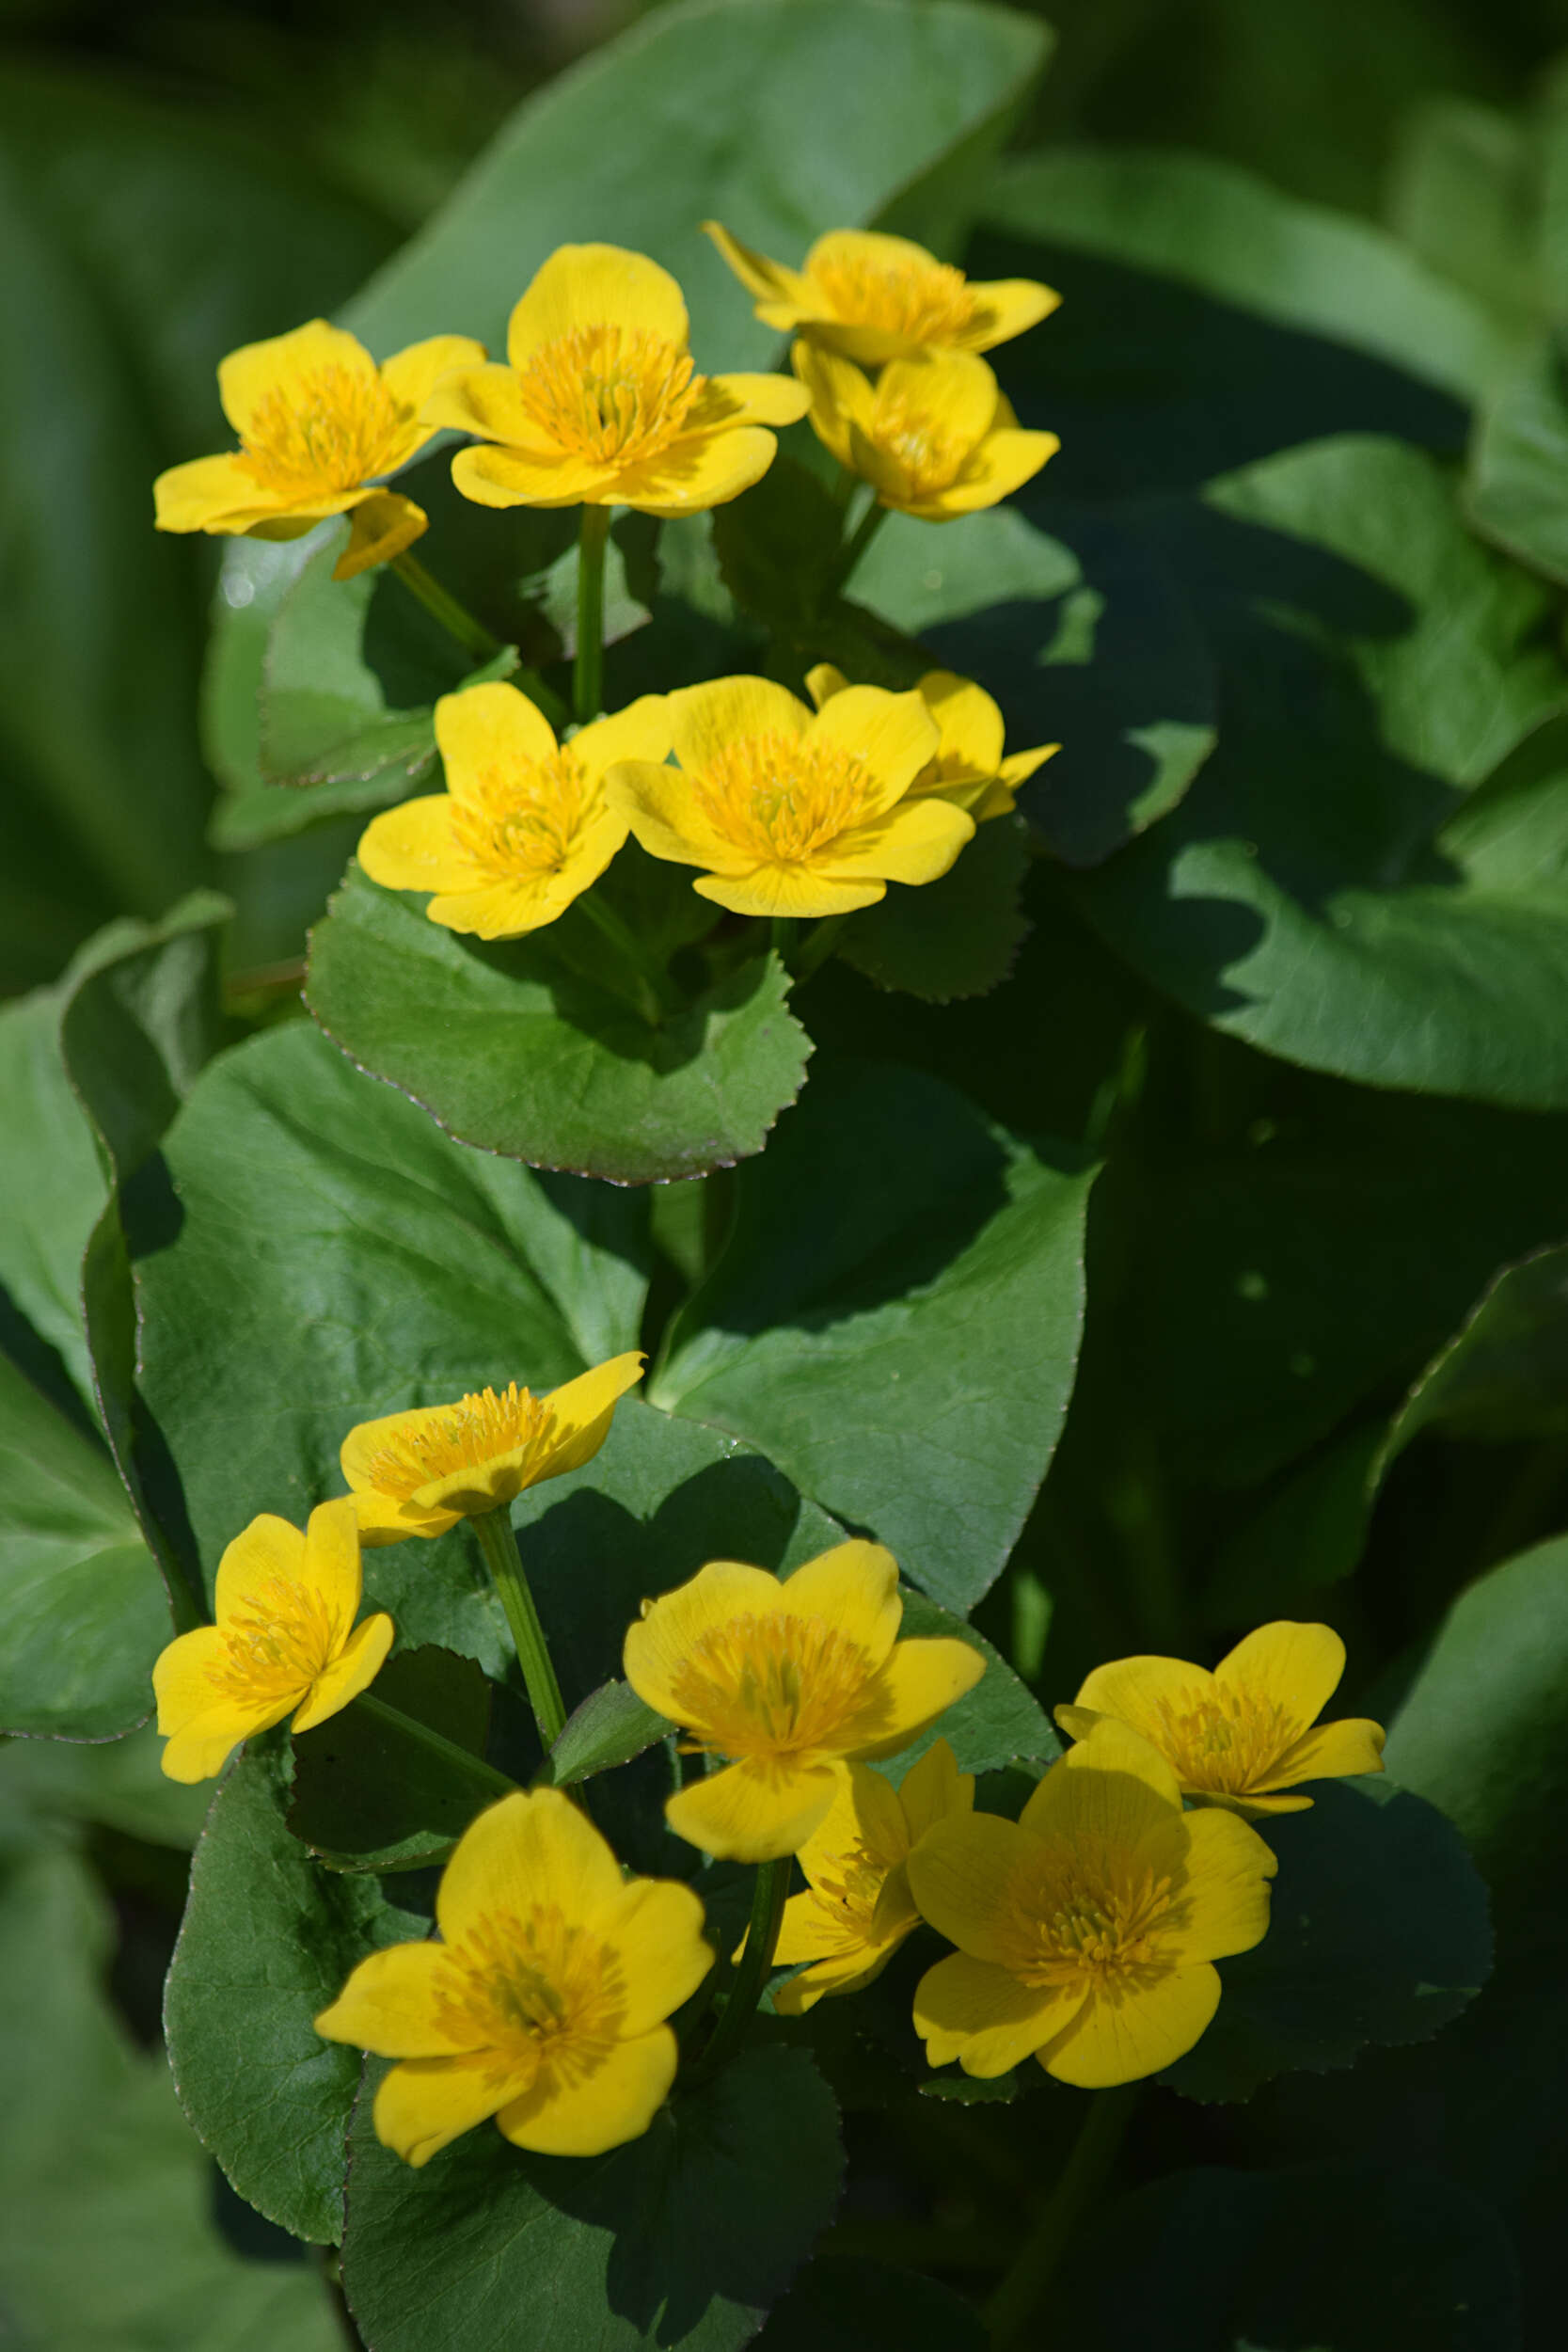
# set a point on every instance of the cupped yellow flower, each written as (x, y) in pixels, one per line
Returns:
(859, 1909)
(792, 1680)
(1086, 1930)
(598, 403)
(1243, 1735)
(319, 426)
(544, 2003)
(523, 827)
(971, 768)
(935, 436)
(419, 1473)
(793, 814)
(285, 1641)
(876, 297)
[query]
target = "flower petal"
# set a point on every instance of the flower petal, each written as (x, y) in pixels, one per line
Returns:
(283, 364)
(750, 399)
(658, 1930)
(1294, 1667)
(966, 2010)
(1223, 1904)
(1006, 306)
(508, 909)
(1354, 1744)
(413, 847)
(933, 1791)
(383, 1520)
(584, 2115)
(531, 1848)
(352, 1671)
(210, 494)
(424, 2104)
(853, 1588)
(412, 376)
(799, 891)
(705, 719)
(919, 1682)
(660, 1642)
(382, 524)
(581, 1409)
(770, 279)
(864, 1812)
(894, 735)
(486, 399)
(489, 726)
(659, 805)
(845, 1972)
(1003, 462)
(964, 1876)
(201, 1723)
(755, 1811)
(595, 285)
(1114, 1787)
(968, 722)
(823, 682)
(955, 389)
(391, 2006)
(703, 470)
(1144, 1692)
(332, 1563)
(915, 842)
(508, 477)
(842, 400)
(1129, 2028)
(641, 732)
(267, 1550)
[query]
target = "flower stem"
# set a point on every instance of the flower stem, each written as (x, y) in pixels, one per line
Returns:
(499, 1547)
(654, 996)
(769, 1896)
(859, 540)
(409, 1727)
(1022, 2289)
(781, 936)
(454, 618)
(818, 945)
(588, 670)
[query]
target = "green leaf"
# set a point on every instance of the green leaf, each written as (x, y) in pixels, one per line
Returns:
(1463, 196)
(51, 1790)
(609, 1727)
(972, 2091)
(1316, 893)
(368, 1797)
(511, 1049)
(841, 2304)
(956, 937)
(894, 1258)
(1516, 489)
(51, 1181)
(778, 546)
(683, 2237)
(998, 1723)
(1378, 1935)
(267, 1942)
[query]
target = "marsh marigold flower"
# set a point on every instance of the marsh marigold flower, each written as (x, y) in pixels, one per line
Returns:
(970, 767)
(876, 297)
(1243, 1735)
(598, 405)
(285, 1641)
(319, 423)
(793, 814)
(793, 1681)
(523, 827)
(1087, 1929)
(934, 436)
(859, 1908)
(419, 1473)
(544, 2003)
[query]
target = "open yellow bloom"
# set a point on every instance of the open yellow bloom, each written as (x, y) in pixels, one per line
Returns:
(793, 814)
(860, 1908)
(285, 1641)
(1243, 1735)
(934, 436)
(876, 297)
(598, 405)
(793, 1681)
(544, 2003)
(970, 767)
(419, 1473)
(319, 424)
(523, 827)
(1087, 1929)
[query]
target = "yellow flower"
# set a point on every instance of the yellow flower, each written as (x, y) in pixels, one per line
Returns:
(544, 2003)
(598, 404)
(1240, 1736)
(523, 827)
(970, 769)
(793, 1681)
(793, 814)
(285, 1640)
(934, 436)
(319, 422)
(860, 1908)
(876, 297)
(1087, 1929)
(419, 1473)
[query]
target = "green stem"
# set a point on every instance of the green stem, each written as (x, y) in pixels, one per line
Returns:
(409, 1727)
(656, 997)
(859, 540)
(781, 936)
(588, 670)
(499, 1547)
(454, 618)
(818, 945)
(769, 1896)
(1023, 2288)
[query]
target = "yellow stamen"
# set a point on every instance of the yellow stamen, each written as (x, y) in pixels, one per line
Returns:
(1083, 1923)
(474, 1431)
(276, 1645)
(769, 1686)
(923, 453)
(605, 394)
(535, 1992)
(331, 431)
(522, 822)
(1225, 1739)
(779, 799)
(846, 1891)
(927, 302)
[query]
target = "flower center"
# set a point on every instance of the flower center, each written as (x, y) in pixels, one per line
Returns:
(780, 798)
(927, 301)
(465, 1435)
(1224, 1739)
(278, 1643)
(1086, 1923)
(923, 452)
(535, 1991)
(605, 394)
(846, 1891)
(517, 823)
(769, 1686)
(331, 431)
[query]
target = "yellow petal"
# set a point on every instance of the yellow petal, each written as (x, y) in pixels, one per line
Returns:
(772, 399)
(412, 376)
(705, 720)
(823, 681)
(964, 2009)
(1002, 463)
(661, 1642)
(965, 1876)
(640, 731)
(1294, 1667)
(487, 401)
(352, 1671)
(1354, 1744)
(581, 1412)
(582, 2115)
(842, 400)
(809, 1930)
(893, 735)
(919, 1682)
(414, 848)
(392, 2004)
(489, 726)
(1223, 1899)
(509, 910)
(864, 1812)
(657, 1930)
(384, 523)
(1114, 1787)
(507, 477)
(955, 389)
(332, 1563)
(532, 1848)
(915, 842)
(799, 891)
(1145, 1693)
(771, 280)
(201, 1723)
(267, 1550)
(968, 722)
(933, 1791)
(426, 2103)
(1130, 2028)
(595, 285)
(692, 474)
(753, 1811)
(657, 804)
(1006, 306)
(210, 494)
(284, 364)
(849, 1971)
(853, 1588)
(383, 1519)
